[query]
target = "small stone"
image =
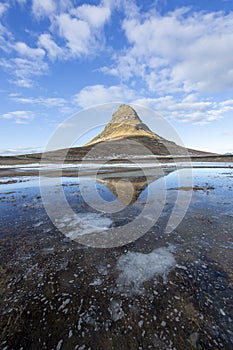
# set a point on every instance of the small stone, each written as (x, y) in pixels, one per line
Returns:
(193, 339)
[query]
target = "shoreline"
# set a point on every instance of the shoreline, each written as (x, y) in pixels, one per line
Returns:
(57, 159)
(83, 169)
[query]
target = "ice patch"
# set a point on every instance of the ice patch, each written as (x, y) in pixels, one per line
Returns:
(38, 224)
(31, 165)
(96, 282)
(83, 224)
(59, 345)
(136, 268)
(115, 310)
(15, 179)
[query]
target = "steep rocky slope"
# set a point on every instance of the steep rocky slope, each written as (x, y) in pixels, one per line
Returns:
(125, 123)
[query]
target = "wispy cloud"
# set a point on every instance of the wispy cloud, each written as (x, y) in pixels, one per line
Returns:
(24, 62)
(45, 101)
(66, 107)
(23, 69)
(19, 117)
(188, 109)
(43, 8)
(53, 50)
(191, 108)
(48, 8)
(3, 8)
(5, 35)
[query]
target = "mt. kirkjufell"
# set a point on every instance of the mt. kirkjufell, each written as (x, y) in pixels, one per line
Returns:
(124, 136)
(124, 126)
(125, 122)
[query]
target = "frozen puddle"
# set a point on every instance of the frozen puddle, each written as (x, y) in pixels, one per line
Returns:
(136, 268)
(82, 224)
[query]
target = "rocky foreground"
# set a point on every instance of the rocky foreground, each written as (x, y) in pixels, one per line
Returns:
(163, 291)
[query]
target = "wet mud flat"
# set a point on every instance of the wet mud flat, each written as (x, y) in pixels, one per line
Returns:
(162, 291)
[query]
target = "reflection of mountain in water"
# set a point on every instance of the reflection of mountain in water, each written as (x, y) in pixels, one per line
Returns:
(127, 189)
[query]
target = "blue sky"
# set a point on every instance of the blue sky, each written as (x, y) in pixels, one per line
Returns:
(60, 57)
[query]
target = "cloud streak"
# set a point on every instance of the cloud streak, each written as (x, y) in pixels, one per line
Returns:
(19, 117)
(45, 101)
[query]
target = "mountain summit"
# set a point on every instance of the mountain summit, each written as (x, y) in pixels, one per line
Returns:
(125, 123)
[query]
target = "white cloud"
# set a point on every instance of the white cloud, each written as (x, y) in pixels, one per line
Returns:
(43, 8)
(64, 106)
(45, 41)
(24, 50)
(24, 83)
(28, 61)
(76, 33)
(23, 69)
(19, 117)
(99, 94)
(64, 4)
(48, 8)
(5, 35)
(45, 101)
(180, 51)
(3, 8)
(189, 109)
(82, 29)
(95, 16)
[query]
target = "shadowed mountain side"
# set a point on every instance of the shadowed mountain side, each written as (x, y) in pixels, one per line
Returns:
(117, 150)
(132, 145)
(129, 147)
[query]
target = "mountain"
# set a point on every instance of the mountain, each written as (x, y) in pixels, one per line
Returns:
(125, 132)
(123, 137)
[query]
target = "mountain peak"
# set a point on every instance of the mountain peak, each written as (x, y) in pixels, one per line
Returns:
(125, 114)
(124, 123)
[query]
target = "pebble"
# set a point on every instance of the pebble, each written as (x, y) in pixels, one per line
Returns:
(59, 345)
